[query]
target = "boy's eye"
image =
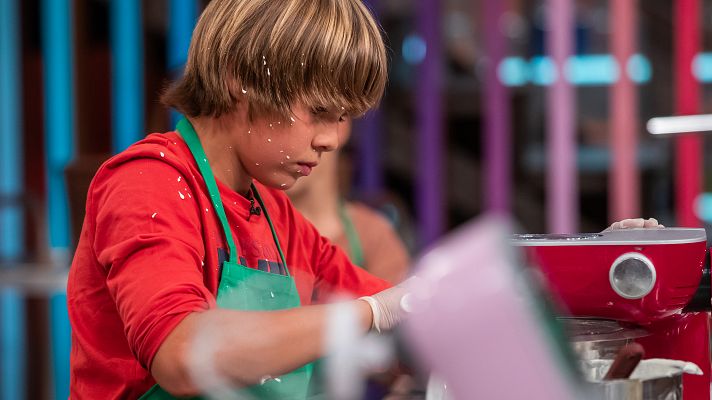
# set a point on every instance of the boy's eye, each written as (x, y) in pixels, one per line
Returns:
(319, 110)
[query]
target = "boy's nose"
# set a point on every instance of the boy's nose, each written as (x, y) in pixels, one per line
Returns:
(326, 140)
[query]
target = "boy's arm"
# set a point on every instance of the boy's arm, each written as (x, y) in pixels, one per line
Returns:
(249, 345)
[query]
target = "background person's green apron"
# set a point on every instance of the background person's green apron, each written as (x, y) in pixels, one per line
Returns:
(243, 288)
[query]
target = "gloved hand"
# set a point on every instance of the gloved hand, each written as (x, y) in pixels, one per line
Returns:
(388, 306)
(634, 223)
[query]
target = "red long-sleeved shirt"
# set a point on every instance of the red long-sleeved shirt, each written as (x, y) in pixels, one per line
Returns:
(151, 252)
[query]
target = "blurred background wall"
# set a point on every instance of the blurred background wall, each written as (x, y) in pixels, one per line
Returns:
(535, 109)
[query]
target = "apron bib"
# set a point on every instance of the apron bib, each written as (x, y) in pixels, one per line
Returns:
(247, 289)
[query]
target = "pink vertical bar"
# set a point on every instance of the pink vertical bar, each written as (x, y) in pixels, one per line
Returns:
(624, 183)
(688, 171)
(562, 191)
(497, 140)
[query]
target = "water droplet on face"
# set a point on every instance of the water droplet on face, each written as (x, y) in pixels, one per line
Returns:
(181, 196)
(270, 125)
(257, 164)
(281, 163)
(162, 155)
(292, 119)
(283, 185)
(269, 140)
(154, 215)
(288, 157)
(249, 131)
(281, 151)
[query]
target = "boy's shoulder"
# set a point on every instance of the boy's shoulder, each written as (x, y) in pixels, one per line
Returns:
(166, 147)
(152, 159)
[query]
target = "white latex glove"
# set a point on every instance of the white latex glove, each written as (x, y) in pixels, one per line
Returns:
(634, 223)
(387, 306)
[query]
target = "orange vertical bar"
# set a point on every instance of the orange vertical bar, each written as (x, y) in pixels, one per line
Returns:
(624, 182)
(688, 149)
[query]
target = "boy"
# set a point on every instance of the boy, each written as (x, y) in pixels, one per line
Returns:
(191, 226)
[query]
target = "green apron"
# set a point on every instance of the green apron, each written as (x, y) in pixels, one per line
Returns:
(249, 289)
(355, 248)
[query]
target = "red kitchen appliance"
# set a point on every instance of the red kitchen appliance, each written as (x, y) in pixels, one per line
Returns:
(654, 280)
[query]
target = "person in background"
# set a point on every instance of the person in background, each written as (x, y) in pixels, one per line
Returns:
(363, 233)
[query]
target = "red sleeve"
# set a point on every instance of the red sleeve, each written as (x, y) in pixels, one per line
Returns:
(334, 273)
(149, 241)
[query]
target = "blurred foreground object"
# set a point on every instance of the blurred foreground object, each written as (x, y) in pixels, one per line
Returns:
(477, 321)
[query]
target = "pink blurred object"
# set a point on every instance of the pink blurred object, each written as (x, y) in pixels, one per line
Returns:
(476, 321)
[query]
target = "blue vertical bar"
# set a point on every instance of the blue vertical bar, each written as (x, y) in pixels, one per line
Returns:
(12, 332)
(59, 147)
(429, 191)
(182, 17)
(127, 73)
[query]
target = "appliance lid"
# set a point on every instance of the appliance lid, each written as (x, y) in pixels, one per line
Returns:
(651, 236)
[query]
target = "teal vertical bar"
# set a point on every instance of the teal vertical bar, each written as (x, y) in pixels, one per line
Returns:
(127, 73)
(59, 147)
(61, 342)
(182, 17)
(12, 332)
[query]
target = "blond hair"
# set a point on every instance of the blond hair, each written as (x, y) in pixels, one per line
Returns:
(325, 53)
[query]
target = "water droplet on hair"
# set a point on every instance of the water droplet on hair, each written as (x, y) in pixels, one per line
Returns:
(154, 215)
(244, 91)
(181, 196)
(292, 119)
(268, 73)
(162, 155)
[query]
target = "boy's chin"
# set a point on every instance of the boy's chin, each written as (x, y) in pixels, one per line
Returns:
(284, 184)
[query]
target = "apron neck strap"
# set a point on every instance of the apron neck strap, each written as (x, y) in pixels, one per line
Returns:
(185, 128)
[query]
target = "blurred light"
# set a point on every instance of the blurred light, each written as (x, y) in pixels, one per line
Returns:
(588, 70)
(680, 124)
(543, 71)
(702, 67)
(513, 71)
(703, 207)
(639, 69)
(582, 70)
(414, 49)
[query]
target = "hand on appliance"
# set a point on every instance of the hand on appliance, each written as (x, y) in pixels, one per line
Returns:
(387, 306)
(635, 223)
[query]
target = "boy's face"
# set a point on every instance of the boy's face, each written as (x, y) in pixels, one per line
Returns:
(277, 152)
